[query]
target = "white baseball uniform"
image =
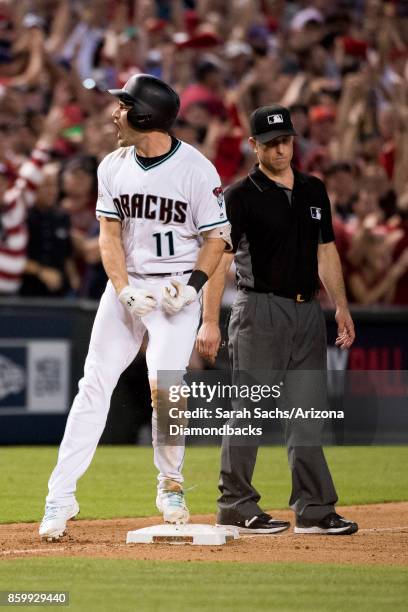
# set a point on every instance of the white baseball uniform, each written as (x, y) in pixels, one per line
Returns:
(163, 210)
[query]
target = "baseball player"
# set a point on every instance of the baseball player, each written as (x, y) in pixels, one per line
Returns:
(163, 228)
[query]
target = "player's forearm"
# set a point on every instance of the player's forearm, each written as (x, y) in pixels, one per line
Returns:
(210, 255)
(214, 290)
(331, 274)
(114, 262)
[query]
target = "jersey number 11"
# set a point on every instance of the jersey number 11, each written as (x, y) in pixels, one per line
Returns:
(170, 240)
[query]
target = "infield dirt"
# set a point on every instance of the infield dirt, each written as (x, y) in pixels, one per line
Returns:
(382, 540)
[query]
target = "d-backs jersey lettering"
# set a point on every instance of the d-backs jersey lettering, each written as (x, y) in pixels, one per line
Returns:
(163, 208)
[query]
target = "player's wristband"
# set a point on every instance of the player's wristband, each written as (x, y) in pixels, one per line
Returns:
(197, 279)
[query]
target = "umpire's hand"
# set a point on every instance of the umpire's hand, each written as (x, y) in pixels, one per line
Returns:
(345, 329)
(208, 341)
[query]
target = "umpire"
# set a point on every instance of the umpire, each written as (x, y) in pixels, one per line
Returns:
(283, 242)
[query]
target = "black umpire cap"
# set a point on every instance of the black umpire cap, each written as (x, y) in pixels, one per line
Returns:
(269, 122)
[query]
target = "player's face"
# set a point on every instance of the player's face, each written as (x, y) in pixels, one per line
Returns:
(125, 132)
(276, 154)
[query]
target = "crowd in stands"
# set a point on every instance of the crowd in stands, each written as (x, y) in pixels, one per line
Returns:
(341, 66)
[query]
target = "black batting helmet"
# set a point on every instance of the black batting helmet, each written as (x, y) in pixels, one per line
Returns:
(154, 103)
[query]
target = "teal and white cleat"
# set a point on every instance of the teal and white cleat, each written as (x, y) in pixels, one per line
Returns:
(54, 523)
(171, 503)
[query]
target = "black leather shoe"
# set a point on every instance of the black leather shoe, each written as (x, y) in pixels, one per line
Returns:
(259, 524)
(332, 524)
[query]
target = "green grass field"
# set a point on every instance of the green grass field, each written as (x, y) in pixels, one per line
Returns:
(121, 483)
(158, 586)
(121, 479)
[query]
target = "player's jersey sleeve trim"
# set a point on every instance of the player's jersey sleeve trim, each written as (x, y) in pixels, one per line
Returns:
(223, 222)
(107, 212)
(171, 153)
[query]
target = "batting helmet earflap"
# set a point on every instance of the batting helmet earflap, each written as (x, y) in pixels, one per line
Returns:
(154, 104)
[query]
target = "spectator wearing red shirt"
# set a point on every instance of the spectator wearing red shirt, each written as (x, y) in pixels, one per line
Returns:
(206, 91)
(15, 201)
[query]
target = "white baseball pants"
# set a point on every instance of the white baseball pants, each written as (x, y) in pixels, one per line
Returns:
(115, 341)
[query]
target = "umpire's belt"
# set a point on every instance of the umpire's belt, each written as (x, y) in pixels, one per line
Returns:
(296, 297)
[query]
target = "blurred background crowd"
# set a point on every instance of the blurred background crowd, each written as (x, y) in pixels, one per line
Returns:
(340, 66)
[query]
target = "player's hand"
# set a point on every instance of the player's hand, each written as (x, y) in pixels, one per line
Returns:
(137, 301)
(177, 296)
(345, 329)
(208, 341)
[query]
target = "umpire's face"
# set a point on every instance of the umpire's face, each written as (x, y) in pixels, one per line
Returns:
(276, 155)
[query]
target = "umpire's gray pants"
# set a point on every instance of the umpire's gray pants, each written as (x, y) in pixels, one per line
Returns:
(272, 334)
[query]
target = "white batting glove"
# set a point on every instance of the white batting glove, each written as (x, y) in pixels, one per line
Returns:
(137, 301)
(177, 296)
